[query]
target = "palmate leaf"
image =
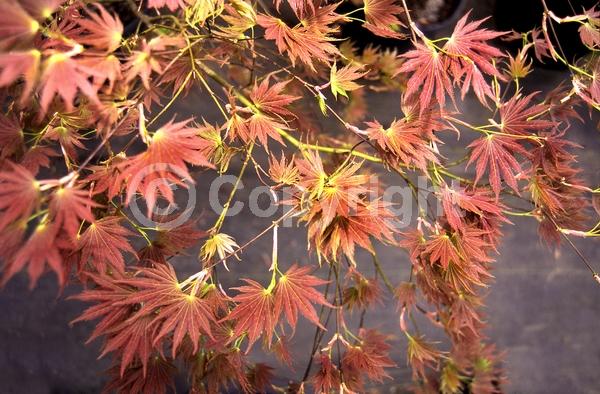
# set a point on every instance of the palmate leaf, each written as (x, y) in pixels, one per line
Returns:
(103, 243)
(268, 117)
(69, 139)
(41, 249)
(271, 99)
(496, 154)
(421, 354)
(257, 127)
(129, 337)
(405, 140)
(19, 194)
(589, 31)
(65, 76)
(382, 17)
(172, 307)
(308, 42)
(541, 47)
(283, 172)
(106, 293)
(428, 76)
(155, 378)
(519, 117)
(300, 7)
(441, 249)
(17, 64)
(11, 136)
(342, 81)
(369, 357)
(100, 30)
(152, 172)
(341, 195)
(470, 56)
(295, 293)
(254, 312)
(344, 233)
(327, 377)
(143, 61)
(336, 193)
(70, 205)
(37, 157)
(15, 24)
(477, 201)
(175, 240)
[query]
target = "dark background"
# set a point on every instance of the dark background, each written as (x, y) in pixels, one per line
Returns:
(542, 310)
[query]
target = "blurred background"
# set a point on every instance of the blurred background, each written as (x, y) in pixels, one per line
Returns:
(543, 308)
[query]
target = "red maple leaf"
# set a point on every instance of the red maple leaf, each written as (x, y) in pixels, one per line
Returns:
(517, 116)
(254, 312)
(19, 194)
(103, 243)
(337, 193)
(17, 64)
(175, 307)
(102, 31)
(362, 293)
(270, 99)
(143, 61)
(420, 355)
(11, 136)
(108, 296)
(405, 140)
(306, 42)
(260, 376)
(172, 241)
(225, 368)
(345, 232)
(69, 205)
(41, 248)
(36, 157)
(429, 75)
(132, 340)
(370, 356)
(327, 377)
(588, 31)
(15, 24)
(382, 17)
(295, 293)
(259, 127)
(441, 249)
(540, 45)
(496, 154)
(69, 139)
(64, 76)
(155, 378)
(108, 69)
(127, 332)
(476, 201)
(152, 172)
(470, 56)
(298, 6)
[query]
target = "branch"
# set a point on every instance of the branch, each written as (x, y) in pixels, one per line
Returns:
(294, 141)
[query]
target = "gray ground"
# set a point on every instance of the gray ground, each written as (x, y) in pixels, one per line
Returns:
(543, 307)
